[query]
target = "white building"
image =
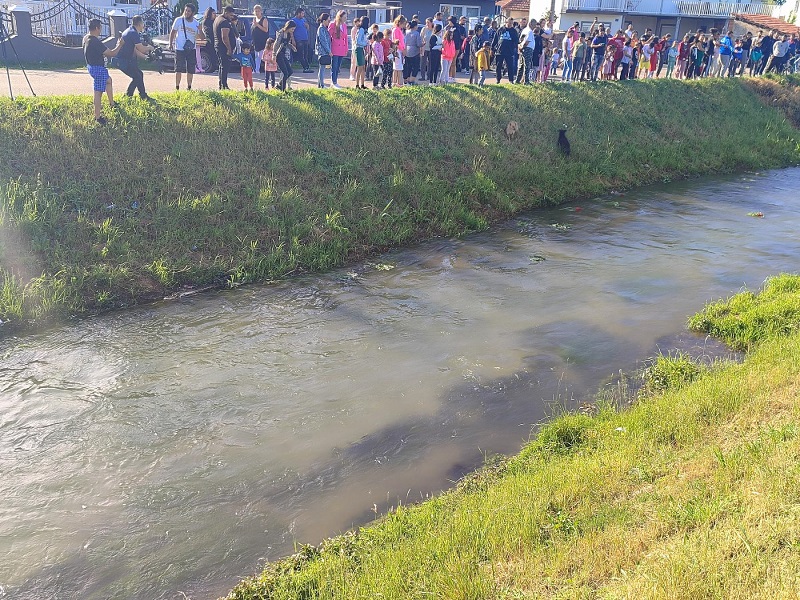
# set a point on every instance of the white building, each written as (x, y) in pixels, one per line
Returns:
(662, 16)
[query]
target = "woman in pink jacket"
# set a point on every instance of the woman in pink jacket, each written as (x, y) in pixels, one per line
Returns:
(338, 31)
(448, 56)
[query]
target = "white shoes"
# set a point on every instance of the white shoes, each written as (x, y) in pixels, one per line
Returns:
(336, 86)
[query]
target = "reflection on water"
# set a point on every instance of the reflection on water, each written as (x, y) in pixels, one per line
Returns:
(173, 448)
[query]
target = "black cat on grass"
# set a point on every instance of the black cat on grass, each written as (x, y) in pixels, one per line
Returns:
(563, 142)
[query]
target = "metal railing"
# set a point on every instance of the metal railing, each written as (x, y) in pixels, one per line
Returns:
(684, 8)
(64, 23)
(7, 21)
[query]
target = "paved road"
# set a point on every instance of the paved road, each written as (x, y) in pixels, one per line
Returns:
(77, 81)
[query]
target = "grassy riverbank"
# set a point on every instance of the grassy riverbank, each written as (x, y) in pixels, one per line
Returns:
(209, 189)
(692, 492)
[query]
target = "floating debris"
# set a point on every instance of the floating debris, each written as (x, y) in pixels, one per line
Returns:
(381, 266)
(559, 226)
(537, 258)
(759, 215)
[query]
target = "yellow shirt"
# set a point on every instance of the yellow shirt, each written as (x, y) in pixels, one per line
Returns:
(482, 58)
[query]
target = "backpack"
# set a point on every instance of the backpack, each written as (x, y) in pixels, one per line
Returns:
(756, 55)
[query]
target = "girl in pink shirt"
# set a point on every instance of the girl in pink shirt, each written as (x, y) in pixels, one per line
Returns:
(448, 55)
(398, 33)
(338, 31)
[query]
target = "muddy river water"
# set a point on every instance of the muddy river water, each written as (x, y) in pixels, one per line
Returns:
(167, 451)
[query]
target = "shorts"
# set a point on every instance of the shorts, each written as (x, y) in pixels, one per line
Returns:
(185, 62)
(100, 75)
(360, 62)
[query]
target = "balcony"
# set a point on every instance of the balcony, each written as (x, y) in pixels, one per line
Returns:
(682, 8)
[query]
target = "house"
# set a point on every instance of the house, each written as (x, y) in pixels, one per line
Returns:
(743, 23)
(428, 8)
(662, 16)
(514, 9)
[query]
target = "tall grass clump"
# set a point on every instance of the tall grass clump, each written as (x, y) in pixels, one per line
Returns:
(215, 189)
(748, 318)
(690, 493)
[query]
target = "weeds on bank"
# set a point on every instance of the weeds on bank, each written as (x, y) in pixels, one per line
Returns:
(216, 188)
(690, 493)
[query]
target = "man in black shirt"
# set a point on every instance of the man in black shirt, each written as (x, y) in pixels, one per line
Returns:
(95, 53)
(224, 41)
(767, 42)
(132, 48)
(504, 46)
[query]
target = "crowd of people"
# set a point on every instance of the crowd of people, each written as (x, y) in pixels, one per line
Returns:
(433, 51)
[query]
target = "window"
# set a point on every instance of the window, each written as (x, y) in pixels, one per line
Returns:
(459, 10)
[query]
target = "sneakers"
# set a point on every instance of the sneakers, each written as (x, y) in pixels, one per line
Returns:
(307, 71)
(336, 86)
(101, 121)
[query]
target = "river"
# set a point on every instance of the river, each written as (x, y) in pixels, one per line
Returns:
(167, 451)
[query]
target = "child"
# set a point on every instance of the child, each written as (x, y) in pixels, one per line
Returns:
(448, 56)
(672, 58)
(247, 61)
(555, 61)
(270, 63)
(482, 59)
(435, 59)
(644, 60)
(95, 53)
(388, 59)
(608, 63)
(627, 56)
(546, 59)
(654, 56)
(397, 77)
(377, 59)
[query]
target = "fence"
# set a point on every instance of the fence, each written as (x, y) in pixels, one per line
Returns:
(65, 22)
(6, 22)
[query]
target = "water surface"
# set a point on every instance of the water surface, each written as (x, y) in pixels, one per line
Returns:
(172, 449)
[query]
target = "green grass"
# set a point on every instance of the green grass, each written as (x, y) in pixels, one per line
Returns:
(748, 318)
(220, 189)
(693, 492)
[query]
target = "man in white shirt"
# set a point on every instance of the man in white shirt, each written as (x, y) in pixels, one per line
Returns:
(183, 37)
(526, 47)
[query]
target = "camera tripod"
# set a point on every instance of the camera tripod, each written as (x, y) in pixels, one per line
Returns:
(5, 40)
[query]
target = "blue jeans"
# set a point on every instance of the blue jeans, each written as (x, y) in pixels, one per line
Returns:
(336, 64)
(321, 75)
(597, 61)
(565, 75)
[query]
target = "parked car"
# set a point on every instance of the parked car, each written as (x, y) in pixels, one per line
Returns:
(208, 57)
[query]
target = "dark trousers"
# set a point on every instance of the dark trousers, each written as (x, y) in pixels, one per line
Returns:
(132, 70)
(509, 62)
(434, 65)
(224, 68)
(286, 69)
(303, 51)
(577, 68)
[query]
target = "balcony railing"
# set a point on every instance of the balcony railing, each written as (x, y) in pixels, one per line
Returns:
(684, 8)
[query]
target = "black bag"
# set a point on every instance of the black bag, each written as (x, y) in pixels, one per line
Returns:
(188, 45)
(325, 60)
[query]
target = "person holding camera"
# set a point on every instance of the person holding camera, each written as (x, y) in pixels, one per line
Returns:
(183, 38)
(128, 56)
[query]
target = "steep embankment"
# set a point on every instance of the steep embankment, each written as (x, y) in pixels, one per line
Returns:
(692, 492)
(220, 189)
